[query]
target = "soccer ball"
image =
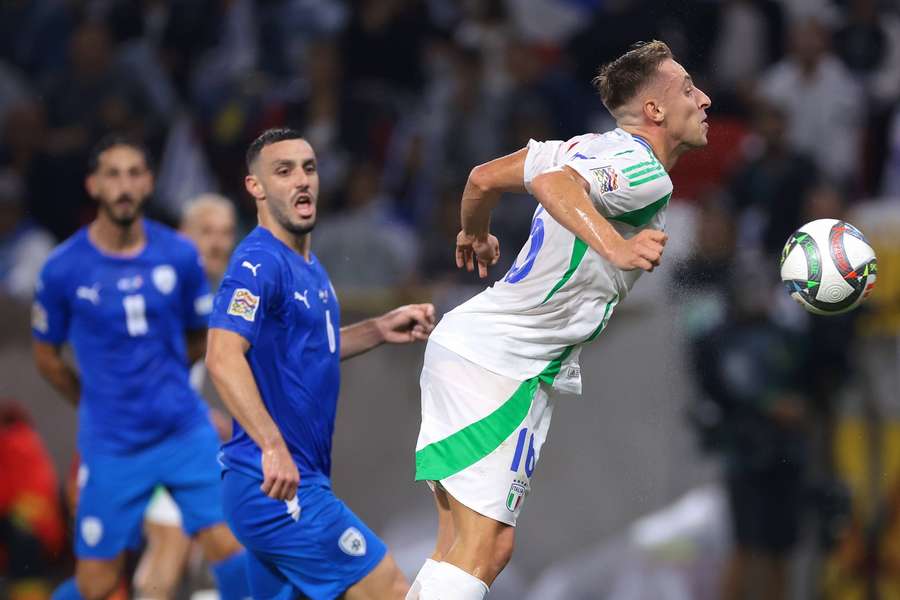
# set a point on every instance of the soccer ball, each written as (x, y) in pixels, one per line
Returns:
(828, 266)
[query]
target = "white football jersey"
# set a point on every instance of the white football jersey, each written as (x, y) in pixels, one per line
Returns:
(559, 293)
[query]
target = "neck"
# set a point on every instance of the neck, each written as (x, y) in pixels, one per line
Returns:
(666, 150)
(114, 238)
(301, 244)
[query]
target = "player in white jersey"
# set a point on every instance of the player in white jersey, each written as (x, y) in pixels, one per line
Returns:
(492, 362)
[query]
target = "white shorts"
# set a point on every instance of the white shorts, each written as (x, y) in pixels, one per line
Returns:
(162, 509)
(481, 433)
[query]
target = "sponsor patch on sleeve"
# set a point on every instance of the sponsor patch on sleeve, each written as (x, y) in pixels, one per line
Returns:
(243, 304)
(39, 317)
(607, 179)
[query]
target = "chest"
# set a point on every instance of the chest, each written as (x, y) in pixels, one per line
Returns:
(309, 309)
(134, 299)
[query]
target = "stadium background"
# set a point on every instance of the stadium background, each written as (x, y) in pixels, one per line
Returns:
(401, 98)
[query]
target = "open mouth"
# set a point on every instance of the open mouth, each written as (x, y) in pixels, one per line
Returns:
(304, 206)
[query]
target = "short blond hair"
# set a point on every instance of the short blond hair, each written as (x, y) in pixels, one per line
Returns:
(619, 81)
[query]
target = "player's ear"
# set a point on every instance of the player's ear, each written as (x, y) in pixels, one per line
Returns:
(90, 184)
(654, 111)
(254, 187)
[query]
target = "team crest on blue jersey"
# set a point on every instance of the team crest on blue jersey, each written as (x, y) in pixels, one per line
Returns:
(607, 178)
(164, 278)
(353, 542)
(243, 304)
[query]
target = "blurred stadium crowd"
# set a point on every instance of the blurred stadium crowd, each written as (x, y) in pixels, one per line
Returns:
(401, 98)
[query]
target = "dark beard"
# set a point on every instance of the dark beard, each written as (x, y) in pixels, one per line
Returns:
(122, 221)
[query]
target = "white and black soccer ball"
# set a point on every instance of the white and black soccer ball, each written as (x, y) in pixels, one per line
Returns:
(828, 266)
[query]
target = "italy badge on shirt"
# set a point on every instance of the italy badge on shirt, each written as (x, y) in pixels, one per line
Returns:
(243, 304)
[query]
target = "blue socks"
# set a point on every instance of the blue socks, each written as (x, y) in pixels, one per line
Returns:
(230, 575)
(67, 590)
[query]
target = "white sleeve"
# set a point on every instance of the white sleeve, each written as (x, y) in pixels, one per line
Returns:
(541, 157)
(629, 189)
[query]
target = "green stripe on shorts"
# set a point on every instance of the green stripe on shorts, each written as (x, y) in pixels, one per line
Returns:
(467, 446)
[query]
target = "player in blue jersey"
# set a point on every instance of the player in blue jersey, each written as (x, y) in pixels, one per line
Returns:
(275, 346)
(131, 298)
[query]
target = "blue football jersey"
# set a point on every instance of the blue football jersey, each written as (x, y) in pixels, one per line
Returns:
(126, 319)
(288, 311)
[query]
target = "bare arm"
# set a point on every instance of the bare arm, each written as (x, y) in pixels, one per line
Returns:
(564, 194)
(50, 364)
(231, 374)
(196, 345)
(486, 183)
(405, 324)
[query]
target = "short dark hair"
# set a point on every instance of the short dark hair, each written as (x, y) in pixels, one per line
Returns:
(112, 140)
(267, 137)
(620, 80)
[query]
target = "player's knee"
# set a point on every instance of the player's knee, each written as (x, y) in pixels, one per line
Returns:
(218, 542)
(96, 581)
(503, 548)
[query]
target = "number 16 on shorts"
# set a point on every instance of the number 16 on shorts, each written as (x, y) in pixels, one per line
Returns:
(530, 457)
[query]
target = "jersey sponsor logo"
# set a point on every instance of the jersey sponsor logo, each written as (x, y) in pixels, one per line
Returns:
(203, 305)
(91, 294)
(293, 508)
(302, 297)
(130, 284)
(323, 296)
(251, 266)
(91, 530)
(352, 542)
(517, 491)
(243, 304)
(164, 278)
(607, 179)
(39, 317)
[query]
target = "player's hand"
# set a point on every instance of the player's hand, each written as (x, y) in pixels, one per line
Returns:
(280, 474)
(471, 251)
(643, 251)
(409, 323)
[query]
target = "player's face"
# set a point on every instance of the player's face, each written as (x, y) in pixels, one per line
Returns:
(121, 184)
(685, 105)
(286, 178)
(213, 230)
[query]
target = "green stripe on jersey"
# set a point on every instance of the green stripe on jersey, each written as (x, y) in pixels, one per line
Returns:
(578, 250)
(472, 443)
(623, 152)
(654, 169)
(637, 182)
(642, 216)
(604, 320)
(648, 163)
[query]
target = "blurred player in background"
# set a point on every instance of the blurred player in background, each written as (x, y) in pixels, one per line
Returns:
(131, 297)
(275, 346)
(492, 361)
(32, 528)
(210, 221)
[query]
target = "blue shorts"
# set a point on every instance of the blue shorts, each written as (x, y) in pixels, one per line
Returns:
(314, 545)
(115, 490)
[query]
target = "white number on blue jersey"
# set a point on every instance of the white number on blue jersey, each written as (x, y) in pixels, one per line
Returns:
(329, 328)
(135, 315)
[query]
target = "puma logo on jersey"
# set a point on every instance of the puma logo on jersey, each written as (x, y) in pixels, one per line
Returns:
(91, 294)
(250, 266)
(302, 298)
